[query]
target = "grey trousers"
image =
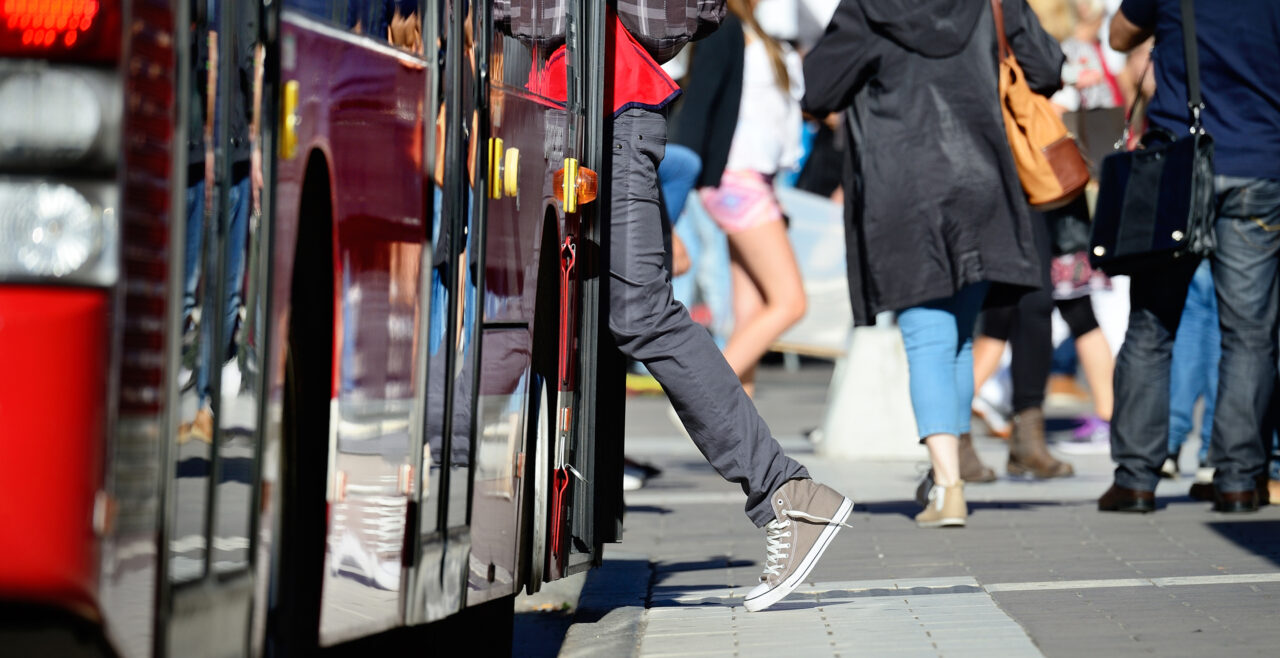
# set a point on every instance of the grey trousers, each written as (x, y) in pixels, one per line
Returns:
(651, 327)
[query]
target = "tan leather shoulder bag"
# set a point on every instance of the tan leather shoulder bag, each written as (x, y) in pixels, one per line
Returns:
(1049, 163)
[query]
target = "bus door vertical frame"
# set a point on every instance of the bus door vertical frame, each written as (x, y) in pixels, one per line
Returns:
(596, 513)
(456, 181)
(413, 588)
(607, 390)
(482, 27)
(268, 36)
(163, 590)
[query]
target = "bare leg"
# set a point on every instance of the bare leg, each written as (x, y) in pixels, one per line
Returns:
(987, 352)
(1099, 367)
(765, 256)
(748, 304)
(944, 453)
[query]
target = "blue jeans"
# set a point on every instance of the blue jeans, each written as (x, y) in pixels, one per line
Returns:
(677, 174)
(1246, 271)
(1244, 274)
(938, 337)
(236, 227)
(1196, 351)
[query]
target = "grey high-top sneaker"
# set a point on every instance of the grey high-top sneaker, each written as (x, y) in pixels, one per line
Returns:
(808, 517)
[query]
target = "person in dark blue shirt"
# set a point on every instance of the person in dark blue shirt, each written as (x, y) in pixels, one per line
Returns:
(1238, 44)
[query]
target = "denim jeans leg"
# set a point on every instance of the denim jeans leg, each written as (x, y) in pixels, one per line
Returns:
(1140, 421)
(193, 244)
(1191, 364)
(678, 172)
(1245, 275)
(1212, 347)
(238, 198)
(938, 337)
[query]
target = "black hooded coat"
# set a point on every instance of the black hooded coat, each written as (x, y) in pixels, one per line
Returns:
(932, 201)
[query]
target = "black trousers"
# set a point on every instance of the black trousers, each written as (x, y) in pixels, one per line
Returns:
(1028, 326)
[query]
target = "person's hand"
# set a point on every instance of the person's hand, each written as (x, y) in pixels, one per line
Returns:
(405, 31)
(680, 262)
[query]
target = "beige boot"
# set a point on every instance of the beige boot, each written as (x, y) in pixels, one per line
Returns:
(1028, 454)
(971, 467)
(946, 508)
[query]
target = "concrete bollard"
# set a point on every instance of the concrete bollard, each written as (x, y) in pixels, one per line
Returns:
(869, 413)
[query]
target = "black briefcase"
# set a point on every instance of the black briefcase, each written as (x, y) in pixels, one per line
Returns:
(1154, 204)
(1157, 203)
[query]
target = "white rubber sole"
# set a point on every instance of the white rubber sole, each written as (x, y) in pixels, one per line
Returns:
(769, 597)
(956, 522)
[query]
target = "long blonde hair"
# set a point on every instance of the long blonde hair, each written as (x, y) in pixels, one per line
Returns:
(744, 11)
(1058, 17)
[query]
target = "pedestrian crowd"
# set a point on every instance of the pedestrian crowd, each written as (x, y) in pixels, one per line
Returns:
(971, 216)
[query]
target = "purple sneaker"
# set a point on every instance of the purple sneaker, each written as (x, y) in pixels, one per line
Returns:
(1092, 437)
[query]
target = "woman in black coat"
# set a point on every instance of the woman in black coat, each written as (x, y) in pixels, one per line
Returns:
(934, 214)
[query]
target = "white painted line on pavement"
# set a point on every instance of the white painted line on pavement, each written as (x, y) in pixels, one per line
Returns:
(658, 498)
(1174, 581)
(1225, 579)
(1067, 584)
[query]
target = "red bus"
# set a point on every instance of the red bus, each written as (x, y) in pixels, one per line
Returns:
(301, 323)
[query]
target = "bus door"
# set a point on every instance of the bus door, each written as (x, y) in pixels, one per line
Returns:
(536, 417)
(591, 515)
(521, 134)
(441, 552)
(217, 394)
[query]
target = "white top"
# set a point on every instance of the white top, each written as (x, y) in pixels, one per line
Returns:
(767, 137)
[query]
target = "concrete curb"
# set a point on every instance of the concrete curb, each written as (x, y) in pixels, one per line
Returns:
(610, 617)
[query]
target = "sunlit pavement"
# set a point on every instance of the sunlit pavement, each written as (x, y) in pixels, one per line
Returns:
(1037, 571)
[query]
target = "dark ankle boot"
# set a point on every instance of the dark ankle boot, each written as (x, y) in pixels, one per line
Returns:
(1028, 454)
(971, 467)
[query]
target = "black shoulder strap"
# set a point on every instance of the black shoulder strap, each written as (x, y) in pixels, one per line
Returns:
(1194, 102)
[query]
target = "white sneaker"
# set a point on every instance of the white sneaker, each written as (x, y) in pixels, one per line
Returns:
(632, 478)
(808, 517)
(1169, 469)
(995, 420)
(1204, 474)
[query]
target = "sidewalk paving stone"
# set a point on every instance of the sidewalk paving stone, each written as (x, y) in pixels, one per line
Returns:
(1038, 570)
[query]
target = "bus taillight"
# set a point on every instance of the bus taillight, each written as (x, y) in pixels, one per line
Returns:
(82, 30)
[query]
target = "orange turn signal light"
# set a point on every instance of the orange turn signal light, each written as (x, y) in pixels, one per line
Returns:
(574, 185)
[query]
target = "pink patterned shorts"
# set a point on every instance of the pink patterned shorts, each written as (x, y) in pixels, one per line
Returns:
(743, 200)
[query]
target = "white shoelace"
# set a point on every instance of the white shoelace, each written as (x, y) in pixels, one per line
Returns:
(776, 530)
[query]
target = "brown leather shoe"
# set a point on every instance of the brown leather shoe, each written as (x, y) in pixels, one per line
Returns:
(971, 467)
(1236, 502)
(1028, 454)
(1120, 499)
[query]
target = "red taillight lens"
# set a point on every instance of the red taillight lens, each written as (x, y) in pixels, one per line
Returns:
(81, 30)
